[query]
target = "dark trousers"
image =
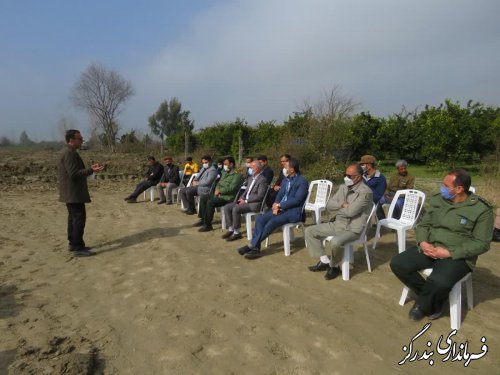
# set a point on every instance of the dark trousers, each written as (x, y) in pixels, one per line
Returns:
(266, 224)
(142, 187)
(208, 203)
(434, 290)
(76, 224)
(187, 195)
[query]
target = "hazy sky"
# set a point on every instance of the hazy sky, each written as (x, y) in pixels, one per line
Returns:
(253, 59)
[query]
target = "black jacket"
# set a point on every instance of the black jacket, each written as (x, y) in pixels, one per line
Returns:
(171, 174)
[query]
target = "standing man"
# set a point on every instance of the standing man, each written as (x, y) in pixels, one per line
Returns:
(73, 190)
(351, 204)
(454, 231)
(250, 200)
(170, 180)
(153, 176)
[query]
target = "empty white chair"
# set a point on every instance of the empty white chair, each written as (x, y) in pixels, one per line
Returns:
(414, 202)
(349, 247)
(323, 191)
(455, 298)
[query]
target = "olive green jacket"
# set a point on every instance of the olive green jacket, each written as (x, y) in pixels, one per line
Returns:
(464, 228)
(229, 185)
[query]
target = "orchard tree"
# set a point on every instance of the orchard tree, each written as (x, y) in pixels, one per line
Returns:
(102, 93)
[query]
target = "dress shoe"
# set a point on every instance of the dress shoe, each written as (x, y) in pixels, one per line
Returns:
(82, 253)
(436, 314)
(234, 237)
(85, 248)
(253, 254)
(161, 202)
(243, 250)
(132, 200)
(227, 234)
(416, 314)
(206, 228)
(332, 273)
(190, 212)
(199, 223)
(320, 266)
(126, 199)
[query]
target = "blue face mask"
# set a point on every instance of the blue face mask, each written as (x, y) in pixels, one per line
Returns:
(250, 171)
(445, 193)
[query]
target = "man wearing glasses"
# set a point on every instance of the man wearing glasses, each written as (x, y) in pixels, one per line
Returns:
(73, 190)
(351, 205)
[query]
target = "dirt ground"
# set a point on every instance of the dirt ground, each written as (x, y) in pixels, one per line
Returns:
(161, 298)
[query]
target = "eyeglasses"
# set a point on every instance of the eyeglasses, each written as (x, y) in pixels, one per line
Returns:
(351, 175)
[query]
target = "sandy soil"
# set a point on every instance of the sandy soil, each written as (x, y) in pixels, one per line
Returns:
(161, 298)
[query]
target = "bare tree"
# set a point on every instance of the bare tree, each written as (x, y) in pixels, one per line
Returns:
(101, 93)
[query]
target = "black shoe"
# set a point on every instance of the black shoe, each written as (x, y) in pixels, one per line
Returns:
(169, 203)
(243, 250)
(320, 266)
(131, 200)
(416, 314)
(82, 253)
(227, 234)
(161, 202)
(436, 314)
(332, 273)
(199, 223)
(206, 228)
(85, 248)
(496, 235)
(190, 212)
(253, 254)
(126, 199)
(234, 237)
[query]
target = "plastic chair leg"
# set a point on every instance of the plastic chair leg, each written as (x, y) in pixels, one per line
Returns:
(152, 194)
(248, 224)
(287, 236)
(404, 295)
(456, 306)
(346, 260)
(367, 257)
(377, 236)
(401, 233)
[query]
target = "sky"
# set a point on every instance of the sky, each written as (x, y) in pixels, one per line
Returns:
(258, 60)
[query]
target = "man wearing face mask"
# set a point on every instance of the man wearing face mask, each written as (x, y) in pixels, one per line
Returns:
(454, 231)
(351, 205)
(287, 208)
(398, 181)
(169, 181)
(372, 176)
(250, 200)
(225, 192)
(200, 185)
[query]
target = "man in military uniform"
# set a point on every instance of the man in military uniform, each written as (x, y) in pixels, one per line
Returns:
(455, 230)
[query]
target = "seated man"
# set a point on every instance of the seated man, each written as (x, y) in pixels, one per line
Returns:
(352, 204)
(277, 185)
(287, 208)
(398, 181)
(225, 192)
(170, 180)
(246, 167)
(266, 170)
(153, 176)
(200, 185)
(373, 178)
(249, 201)
(190, 168)
(455, 229)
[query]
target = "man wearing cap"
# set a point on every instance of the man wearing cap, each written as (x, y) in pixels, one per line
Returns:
(399, 181)
(267, 172)
(372, 177)
(351, 206)
(201, 185)
(454, 231)
(152, 178)
(189, 169)
(169, 181)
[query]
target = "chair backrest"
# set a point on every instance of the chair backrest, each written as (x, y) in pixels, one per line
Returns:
(472, 189)
(193, 176)
(263, 205)
(362, 235)
(414, 202)
(323, 191)
(181, 176)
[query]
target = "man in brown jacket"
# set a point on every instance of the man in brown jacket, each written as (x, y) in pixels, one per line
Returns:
(73, 190)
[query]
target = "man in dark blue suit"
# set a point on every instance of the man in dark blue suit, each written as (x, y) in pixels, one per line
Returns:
(287, 208)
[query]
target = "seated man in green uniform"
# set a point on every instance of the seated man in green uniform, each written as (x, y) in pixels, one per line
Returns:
(225, 192)
(456, 228)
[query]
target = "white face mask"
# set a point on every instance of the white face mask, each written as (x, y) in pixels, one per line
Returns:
(348, 181)
(226, 168)
(285, 172)
(205, 165)
(363, 167)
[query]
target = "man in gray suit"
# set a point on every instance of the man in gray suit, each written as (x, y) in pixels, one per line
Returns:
(200, 185)
(73, 190)
(250, 200)
(352, 204)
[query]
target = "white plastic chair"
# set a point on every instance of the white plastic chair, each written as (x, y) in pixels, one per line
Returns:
(349, 247)
(151, 192)
(249, 215)
(288, 230)
(175, 192)
(472, 189)
(455, 298)
(414, 202)
(190, 182)
(323, 191)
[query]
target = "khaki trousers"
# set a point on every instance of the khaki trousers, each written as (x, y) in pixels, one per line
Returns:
(315, 235)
